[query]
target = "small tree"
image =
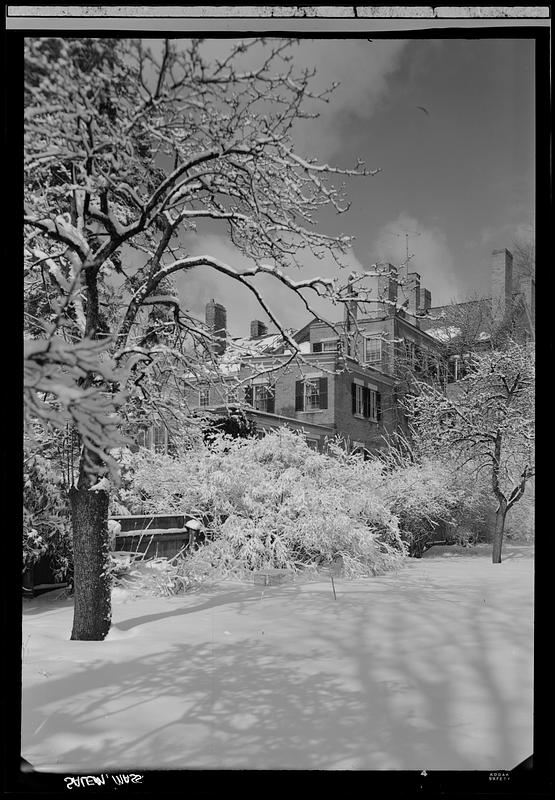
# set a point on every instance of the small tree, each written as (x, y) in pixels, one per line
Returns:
(486, 421)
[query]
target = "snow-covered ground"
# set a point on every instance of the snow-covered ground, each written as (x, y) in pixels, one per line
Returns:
(429, 668)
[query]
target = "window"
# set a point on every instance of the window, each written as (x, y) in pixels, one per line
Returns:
(359, 448)
(204, 396)
(410, 354)
(311, 394)
(359, 400)
(456, 369)
(159, 438)
(231, 394)
(373, 405)
(373, 349)
(325, 346)
(153, 438)
(366, 402)
(264, 398)
(312, 443)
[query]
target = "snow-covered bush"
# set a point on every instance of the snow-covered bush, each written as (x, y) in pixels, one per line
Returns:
(46, 517)
(271, 502)
(433, 501)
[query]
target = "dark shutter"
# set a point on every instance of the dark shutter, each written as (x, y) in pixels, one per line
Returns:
(271, 399)
(366, 401)
(354, 398)
(323, 392)
(299, 395)
(417, 358)
(248, 395)
(378, 406)
(317, 347)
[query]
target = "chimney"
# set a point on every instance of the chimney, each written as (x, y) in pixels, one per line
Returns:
(501, 284)
(216, 322)
(387, 286)
(258, 329)
(413, 291)
(425, 300)
(527, 286)
(351, 306)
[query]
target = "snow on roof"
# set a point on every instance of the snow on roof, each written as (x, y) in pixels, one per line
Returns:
(444, 334)
(242, 346)
(450, 332)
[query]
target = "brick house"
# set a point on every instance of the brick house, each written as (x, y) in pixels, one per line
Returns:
(352, 375)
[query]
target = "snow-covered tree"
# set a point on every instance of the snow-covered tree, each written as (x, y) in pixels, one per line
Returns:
(129, 147)
(486, 421)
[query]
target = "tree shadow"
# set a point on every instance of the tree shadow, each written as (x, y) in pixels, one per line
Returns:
(391, 685)
(240, 597)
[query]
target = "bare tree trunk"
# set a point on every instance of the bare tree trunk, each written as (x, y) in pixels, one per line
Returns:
(91, 548)
(498, 532)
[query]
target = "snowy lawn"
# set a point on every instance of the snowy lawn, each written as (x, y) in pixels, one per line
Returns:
(430, 667)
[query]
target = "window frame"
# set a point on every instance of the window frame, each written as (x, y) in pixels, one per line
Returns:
(203, 391)
(308, 397)
(268, 392)
(359, 400)
(319, 384)
(156, 429)
(367, 397)
(376, 337)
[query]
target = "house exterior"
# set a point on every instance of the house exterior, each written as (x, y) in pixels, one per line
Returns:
(346, 382)
(351, 375)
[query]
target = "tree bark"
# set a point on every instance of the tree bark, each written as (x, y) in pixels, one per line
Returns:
(91, 548)
(498, 532)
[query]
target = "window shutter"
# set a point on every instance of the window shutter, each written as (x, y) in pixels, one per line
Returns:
(271, 399)
(378, 406)
(317, 347)
(323, 392)
(248, 395)
(299, 395)
(366, 401)
(354, 398)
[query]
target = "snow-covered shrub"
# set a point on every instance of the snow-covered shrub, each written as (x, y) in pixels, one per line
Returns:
(272, 502)
(434, 500)
(520, 522)
(46, 517)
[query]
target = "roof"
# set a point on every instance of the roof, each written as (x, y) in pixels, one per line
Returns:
(450, 332)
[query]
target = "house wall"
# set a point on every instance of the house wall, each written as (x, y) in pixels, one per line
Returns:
(285, 380)
(354, 428)
(338, 416)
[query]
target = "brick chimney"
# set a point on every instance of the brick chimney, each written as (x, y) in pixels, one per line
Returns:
(258, 329)
(351, 307)
(425, 300)
(387, 285)
(413, 291)
(216, 321)
(501, 284)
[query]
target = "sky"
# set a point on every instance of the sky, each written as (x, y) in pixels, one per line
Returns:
(450, 123)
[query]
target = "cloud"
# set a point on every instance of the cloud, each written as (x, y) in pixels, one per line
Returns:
(360, 67)
(431, 257)
(201, 284)
(506, 235)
